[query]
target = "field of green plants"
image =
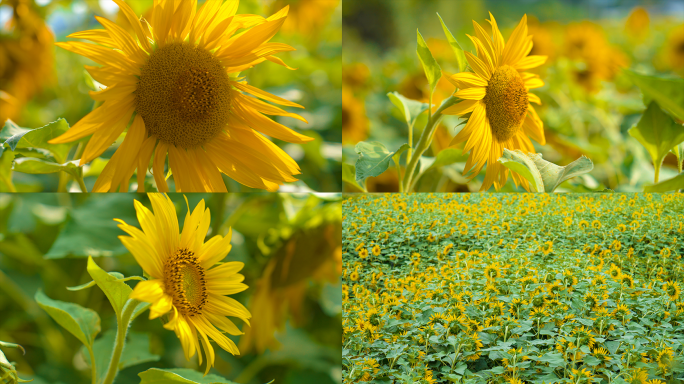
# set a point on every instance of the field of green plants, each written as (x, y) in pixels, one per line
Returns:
(515, 288)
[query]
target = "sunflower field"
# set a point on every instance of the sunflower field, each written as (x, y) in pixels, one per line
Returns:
(95, 94)
(513, 288)
(75, 284)
(461, 96)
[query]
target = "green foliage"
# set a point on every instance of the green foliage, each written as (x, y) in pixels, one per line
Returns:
(116, 290)
(89, 227)
(374, 159)
(461, 61)
(136, 351)
(33, 140)
(672, 184)
(81, 322)
(430, 66)
(409, 109)
(543, 175)
(658, 133)
(180, 376)
(668, 92)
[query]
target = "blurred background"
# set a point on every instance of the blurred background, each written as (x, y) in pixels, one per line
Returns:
(587, 103)
(40, 83)
(290, 245)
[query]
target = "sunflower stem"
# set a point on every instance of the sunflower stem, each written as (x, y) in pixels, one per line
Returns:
(121, 330)
(92, 364)
(425, 141)
(81, 183)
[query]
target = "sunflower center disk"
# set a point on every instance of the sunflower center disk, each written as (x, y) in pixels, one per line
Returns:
(506, 102)
(185, 282)
(183, 95)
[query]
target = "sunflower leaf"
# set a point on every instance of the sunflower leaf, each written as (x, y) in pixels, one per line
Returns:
(430, 66)
(410, 109)
(554, 175)
(678, 151)
(520, 163)
(81, 322)
(455, 46)
(180, 376)
(657, 132)
(373, 159)
(16, 137)
(37, 166)
(115, 289)
(667, 92)
(348, 176)
(672, 184)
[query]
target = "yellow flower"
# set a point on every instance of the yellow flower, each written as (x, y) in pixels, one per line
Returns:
(175, 80)
(184, 281)
(354, 120)
(674, 50)
(672, 290)
(496, 97)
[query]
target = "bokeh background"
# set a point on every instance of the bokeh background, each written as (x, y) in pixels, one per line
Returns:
(40, 83)
(587, 103)
(45, 240)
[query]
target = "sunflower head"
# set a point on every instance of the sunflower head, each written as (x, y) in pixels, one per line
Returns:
(186, 282)
(496, 101)
(174, 84)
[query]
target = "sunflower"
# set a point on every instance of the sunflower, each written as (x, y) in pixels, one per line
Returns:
(176, 81)
(675, 49)
(672, 290)
(496, 102)
(184, 282)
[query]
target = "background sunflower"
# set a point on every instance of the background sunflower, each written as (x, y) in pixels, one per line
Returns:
(588, 103)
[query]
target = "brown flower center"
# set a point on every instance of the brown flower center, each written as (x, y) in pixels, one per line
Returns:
(506, 102)
(183, 95)
(184, 281)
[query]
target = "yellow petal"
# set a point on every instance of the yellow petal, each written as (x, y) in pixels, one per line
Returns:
(474, 93)
(478, 66)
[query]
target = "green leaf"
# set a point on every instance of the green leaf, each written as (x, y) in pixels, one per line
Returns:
(82, 322)
(657, 132)
(180, 376)
(544, 176)
(554, 175)
(668, 92)
(455, 46)
(136, 351)
(678, 151)
(90, 229)
(6, 160)
(518, 162)
(672, 184)
(448, 156)
(410, 109)
(430, 66)
(37, 166)
(117, 275)
(373, 159)
(348, 176)
(17, 137)
(116, 290)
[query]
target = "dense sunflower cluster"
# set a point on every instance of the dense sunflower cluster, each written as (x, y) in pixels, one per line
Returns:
(515, 288)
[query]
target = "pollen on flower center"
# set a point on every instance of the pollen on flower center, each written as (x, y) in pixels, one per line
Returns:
(185, 282)
(183, 95)
(506, 102)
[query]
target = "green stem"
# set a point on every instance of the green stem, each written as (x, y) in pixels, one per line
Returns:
(424, 141)
(657, 173)
(81, 183)
(92, 364)
(121, 330)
